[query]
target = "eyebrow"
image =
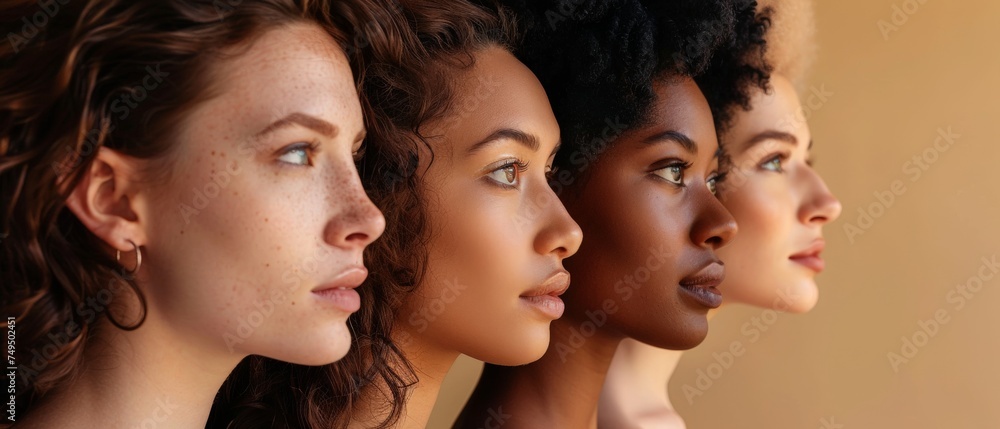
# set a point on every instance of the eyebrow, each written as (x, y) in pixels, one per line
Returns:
(527, 140)
(772, 135)
(311, 122)
(675, 137)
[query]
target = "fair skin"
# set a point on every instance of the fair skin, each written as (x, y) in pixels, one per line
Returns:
(647, 270)
(498, 234)
(781, 205)
(265, 264)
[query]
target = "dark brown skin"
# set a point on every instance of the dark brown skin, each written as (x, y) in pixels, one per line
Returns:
(636, 222)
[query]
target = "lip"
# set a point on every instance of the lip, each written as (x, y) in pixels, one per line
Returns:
(702, 286)
(341, 291)
(810, 257)
(545, 297)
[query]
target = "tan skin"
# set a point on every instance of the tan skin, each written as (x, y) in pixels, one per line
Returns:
(781, 205)
(498, 232)
(290, 220)
(647, 204)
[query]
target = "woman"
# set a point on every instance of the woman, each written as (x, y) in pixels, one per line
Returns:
(643, 194)
(780, 203)
(461, 137)
(175, 201)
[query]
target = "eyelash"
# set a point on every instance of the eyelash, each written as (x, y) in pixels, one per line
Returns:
(521, 167)
(683, 166)
(310, 149)
(781, 157)
(718, 179)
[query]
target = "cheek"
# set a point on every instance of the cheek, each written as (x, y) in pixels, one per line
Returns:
(757, 259)
(229, 243)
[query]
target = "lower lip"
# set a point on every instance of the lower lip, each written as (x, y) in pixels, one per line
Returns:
(814, 263)
(549, 305)
(347, 300)
(707, 296)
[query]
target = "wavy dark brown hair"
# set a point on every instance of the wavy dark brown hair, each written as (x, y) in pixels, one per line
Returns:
(62, 70)
(405, 56)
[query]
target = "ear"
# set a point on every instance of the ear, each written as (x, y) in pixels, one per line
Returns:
(104, 200)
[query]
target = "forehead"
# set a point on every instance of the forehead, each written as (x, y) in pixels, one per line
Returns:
(497, 91)
(288, 69)
(681, 105)
(775, 110)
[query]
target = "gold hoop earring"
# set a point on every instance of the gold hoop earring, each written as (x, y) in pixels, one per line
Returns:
(138, 257)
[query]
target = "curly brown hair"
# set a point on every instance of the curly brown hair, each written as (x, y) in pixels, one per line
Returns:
(62, 76)
(405, 54)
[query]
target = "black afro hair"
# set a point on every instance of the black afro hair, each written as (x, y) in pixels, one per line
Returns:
(738, 66)
(598, 60)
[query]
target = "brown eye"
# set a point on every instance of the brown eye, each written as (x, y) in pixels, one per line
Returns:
(508, 175)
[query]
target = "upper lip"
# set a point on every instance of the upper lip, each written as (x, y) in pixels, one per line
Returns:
(710, 275)
(555, 285)
(350, 278)
(814, 249)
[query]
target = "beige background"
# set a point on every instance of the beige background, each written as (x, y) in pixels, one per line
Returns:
(829, 368)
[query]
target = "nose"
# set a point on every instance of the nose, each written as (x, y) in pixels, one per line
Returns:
(358, 222)
(819, 205)
(558, 233)
(713, 227)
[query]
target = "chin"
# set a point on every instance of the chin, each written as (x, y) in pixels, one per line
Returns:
(324, 350)
(804, 296)
(516, 351)
(694, 333)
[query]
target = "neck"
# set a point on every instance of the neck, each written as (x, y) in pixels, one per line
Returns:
(559, 390)
(431, 363)
(636, 387)
(140, 377)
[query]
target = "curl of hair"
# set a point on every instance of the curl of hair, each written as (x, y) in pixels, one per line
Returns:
(59, 85)
(739, 67)
(791, 40)
(403, 55)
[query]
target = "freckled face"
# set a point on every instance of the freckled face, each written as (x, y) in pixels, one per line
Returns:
(264, 208)
(780, 203)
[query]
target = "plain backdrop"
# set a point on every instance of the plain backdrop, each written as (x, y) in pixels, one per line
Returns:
(929, 67)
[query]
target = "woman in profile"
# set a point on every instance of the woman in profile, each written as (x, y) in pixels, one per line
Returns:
(175, 200)
(778, 199)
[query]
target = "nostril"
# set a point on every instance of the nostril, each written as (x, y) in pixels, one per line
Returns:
(357, 236)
